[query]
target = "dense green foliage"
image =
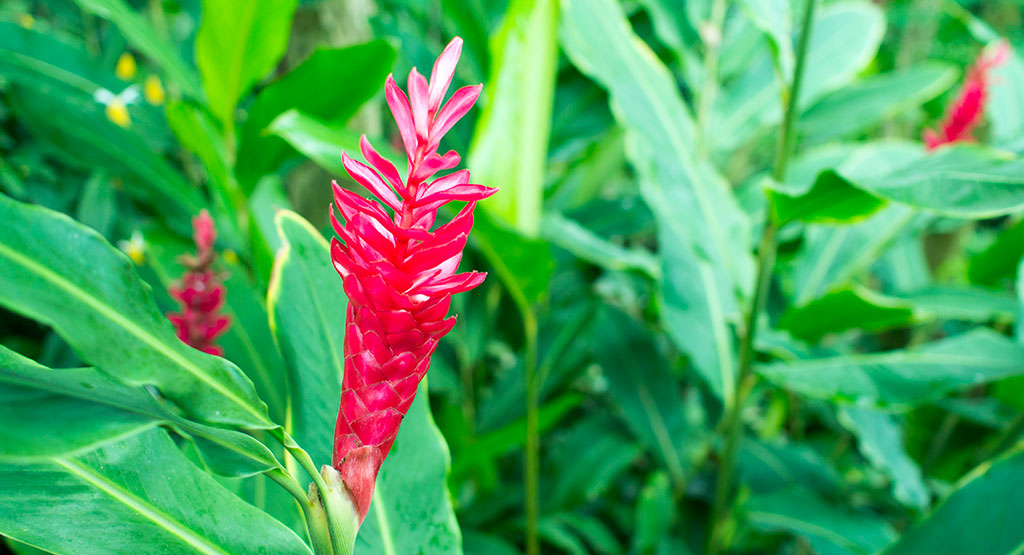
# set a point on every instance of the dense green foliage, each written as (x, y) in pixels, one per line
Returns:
(700, 268)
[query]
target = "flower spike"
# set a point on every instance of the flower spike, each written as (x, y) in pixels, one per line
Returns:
(967, 111)
(398, 272)
(201, 292)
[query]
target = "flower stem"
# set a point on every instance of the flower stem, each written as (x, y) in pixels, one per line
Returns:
(532, 434)
(746, 379)
(316, 520)
(711, 32)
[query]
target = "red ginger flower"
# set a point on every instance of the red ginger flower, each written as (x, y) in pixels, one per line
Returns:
(201, 293)
(398, 274)
(966, 112)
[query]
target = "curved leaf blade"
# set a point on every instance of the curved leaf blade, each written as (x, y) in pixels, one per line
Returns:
(62, 273)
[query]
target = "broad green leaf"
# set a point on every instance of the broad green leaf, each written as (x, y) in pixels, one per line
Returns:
(831, 200)
(830, 529)
(524, 265)
(37, 423)
(771, 466)
(412, 508)
(266, 201)
(655, 513)
(705, 254)
(97, 208)
(1003, 110)
(869, 102)
(833, 255)
(319, 142)
(844, 39)
(307, 308)
(981, 517)
(905, 377)
(141, 35)
(958, 181)
(880, 440)
(64, 274)
(63, 412)
(647, 394)
(847, 308)
(587, 459)
(141, 494)
(998, 263)
(361, 68)
(238, 43)
(775, 19)
(510, 144)
(589, 246)
(972, 304)
(56, 83)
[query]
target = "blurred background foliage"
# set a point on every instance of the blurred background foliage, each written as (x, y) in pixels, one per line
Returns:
(633, 142)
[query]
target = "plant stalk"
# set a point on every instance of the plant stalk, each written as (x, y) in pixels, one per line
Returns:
(313, 515)
(532, 434)
(746, 378)
(712, 34)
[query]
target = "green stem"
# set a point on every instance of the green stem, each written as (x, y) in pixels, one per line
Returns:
(746, 379)
(339, 537)
(316, 520)
(712, 35)
(532, 434)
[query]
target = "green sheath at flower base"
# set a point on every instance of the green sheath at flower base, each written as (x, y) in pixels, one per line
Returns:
(398, 271)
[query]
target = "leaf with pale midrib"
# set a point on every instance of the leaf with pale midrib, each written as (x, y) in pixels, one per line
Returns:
(138, 495)
(66, 275)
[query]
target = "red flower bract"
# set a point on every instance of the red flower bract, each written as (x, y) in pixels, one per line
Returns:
(398, 272)
(201, 293)
(967, 111)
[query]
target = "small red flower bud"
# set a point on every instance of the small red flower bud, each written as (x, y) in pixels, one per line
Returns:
(200, 293)
(398, 271)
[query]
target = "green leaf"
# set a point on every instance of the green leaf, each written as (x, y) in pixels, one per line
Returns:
(589, 246)
(510, 144)
(1003, 109)
(646, 393)
(957, 181)
(266, 201)
(525, 265)
(238, 43)
(319, 142)
(98, 206)
(998, 263)
(362, 68)
(844, 39)
(880, 440)
(139, 494)
(775, 19)
(771, 466)
(705, 255)
(412, 508)
(869, 102)
(848, 308)
(905, 377)
(64, 412)
(588, 459)
(307, 308)
(64, 274)
(971, 304)
(831, 200)
(828, 528)
(981, 517)
(141, 35)
(655, 513)
(833, 255)
(36, 423)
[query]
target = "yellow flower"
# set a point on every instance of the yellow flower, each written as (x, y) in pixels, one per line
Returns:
(126, 67)
(27, 21)
(135, 248)
(153, 90)
(117, 112)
